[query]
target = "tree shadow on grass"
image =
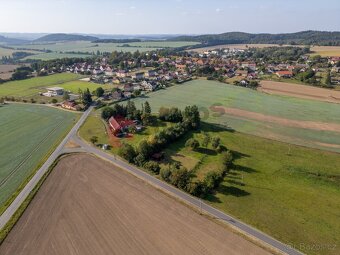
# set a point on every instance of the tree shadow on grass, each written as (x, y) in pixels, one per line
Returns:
(244, 169)
(236, 182)
(206, 151)
(232, 191)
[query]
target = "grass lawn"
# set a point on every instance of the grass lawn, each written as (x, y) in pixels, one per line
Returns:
(289, 192)
(89, 47)
(31, 87)
(56, 55)
(74, 86)
(206, 94)
(29, 133)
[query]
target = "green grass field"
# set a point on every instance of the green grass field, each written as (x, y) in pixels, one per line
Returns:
(8, 52)
(74, 86)
(287, 191)
(28, 134)
(56, 55)
(31, 87)
(209, 93)
(60, 49)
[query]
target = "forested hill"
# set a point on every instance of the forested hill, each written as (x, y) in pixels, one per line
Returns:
(65, 37)
(7, 40)
(299, 38)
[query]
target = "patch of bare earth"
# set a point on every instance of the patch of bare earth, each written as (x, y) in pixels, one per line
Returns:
(88, 206)
(300, 91)
(313, 125)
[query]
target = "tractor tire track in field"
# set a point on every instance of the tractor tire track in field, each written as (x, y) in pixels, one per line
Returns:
(15, 169)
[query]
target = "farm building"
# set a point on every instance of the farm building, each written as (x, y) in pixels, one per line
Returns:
(70, 105)
(119, 124)
(55, 91)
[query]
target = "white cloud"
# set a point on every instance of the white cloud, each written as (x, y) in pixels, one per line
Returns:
(218, 10)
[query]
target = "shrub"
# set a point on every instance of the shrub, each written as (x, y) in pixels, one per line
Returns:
(221, 148)
(127, 152)
(192, 143)
(180, 177)
(152, 166)
(227, 159)
(165, 174)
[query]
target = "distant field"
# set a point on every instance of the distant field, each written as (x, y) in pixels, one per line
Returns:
(28, 134)
(55, 55)
(8, 52)
(236, 46)
(88, 206)
(326, 51)
(6, 71)
(294, 120)
(31, 87)
(87, 48)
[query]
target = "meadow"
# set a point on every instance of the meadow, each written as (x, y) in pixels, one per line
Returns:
(60, 50)
(29, 133)
(294, 120)
(31, 87)
(273, 186)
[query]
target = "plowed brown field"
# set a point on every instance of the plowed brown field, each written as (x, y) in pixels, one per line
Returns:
(88, 206)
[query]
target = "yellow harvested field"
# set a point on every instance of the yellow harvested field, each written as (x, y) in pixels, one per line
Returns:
(88, 206)
(236, 46)
(326, 51)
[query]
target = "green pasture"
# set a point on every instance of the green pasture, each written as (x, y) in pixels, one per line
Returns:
(29, 133)
(31, 87)
(60, 49)
(290, 192)
(206, 94)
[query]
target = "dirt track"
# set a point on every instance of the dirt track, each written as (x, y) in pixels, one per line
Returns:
(313, 125)
(300, 91)
(86, 206)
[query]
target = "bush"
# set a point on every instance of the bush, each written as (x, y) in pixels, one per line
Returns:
(152, 166)
(221, 148)
(54, 101)
(107, 112)
(192, 143)
(165, 174)
(227, 159)
(139, 160)
(180, 177)
(127, 152)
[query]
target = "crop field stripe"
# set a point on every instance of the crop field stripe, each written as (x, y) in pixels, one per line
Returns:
(4, 181)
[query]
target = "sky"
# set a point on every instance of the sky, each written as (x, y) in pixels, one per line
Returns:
(168, 16)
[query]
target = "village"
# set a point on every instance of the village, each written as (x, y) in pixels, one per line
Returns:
(136, 76)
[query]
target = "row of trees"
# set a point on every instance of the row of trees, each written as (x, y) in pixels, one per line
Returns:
(129, 111)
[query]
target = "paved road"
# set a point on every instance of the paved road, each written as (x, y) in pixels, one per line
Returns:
(6, 216)
(85, 147)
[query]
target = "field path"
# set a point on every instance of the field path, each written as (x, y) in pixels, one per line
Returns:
(313, 125)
